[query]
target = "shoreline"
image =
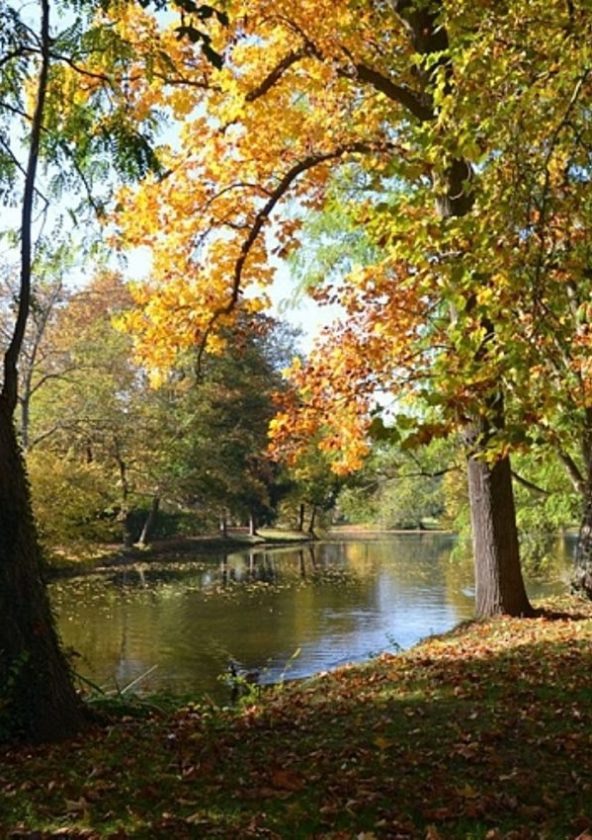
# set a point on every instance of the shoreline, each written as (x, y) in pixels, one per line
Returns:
(204, 545)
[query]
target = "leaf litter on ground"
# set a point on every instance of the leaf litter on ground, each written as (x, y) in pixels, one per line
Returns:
(485, 732)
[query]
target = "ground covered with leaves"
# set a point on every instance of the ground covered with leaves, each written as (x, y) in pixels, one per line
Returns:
(483, 733)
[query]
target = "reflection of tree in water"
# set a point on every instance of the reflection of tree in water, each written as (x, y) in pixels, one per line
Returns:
(546, 558)
(311, 563)
(546, 553)
(332, 600)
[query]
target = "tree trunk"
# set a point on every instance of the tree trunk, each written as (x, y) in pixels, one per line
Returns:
(312, 523)
(499, 587)
(37, 699)
(582, 577)
(150, 520)
(499, 584)
(127, 537)
(223, 525)
(301, 512)
(582, 481)
(252, 524)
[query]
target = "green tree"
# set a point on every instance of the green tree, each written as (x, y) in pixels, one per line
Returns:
(217, 457)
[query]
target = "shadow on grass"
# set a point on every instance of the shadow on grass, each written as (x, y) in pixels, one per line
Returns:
(483, 734)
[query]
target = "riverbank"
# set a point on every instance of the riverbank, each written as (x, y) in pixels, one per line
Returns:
(482, 733)
(104, 557)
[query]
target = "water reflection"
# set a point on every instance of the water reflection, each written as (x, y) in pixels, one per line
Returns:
(333, 602)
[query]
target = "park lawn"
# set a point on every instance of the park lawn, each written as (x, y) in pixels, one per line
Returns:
(483, 733)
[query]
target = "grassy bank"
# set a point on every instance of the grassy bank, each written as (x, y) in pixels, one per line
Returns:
(483, 733)
(64, 563)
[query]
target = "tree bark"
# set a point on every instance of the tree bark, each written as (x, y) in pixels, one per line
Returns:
(252, 524)
(37, 699)
(582, 578)
(127, 537)
(312, 523)
(301, 513)
(499, 587)
(581, 582)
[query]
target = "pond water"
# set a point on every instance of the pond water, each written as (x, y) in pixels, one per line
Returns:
(285, 613)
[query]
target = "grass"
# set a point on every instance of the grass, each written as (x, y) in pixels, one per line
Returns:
(483, 733)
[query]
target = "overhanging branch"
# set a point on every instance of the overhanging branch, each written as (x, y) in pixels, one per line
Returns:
(261, 218)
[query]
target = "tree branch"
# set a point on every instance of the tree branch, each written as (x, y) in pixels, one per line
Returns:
(573, 471)
(276, 74)
(260, 219)
(414, 102)
(530, 485)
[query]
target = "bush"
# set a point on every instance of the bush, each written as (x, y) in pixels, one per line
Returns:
(71, 500)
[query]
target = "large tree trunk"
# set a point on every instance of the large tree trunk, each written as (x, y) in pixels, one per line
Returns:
(581, 479)
(499, 587)
(37, 698)
(582, 578)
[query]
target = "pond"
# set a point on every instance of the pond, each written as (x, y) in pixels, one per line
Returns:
(284, 613)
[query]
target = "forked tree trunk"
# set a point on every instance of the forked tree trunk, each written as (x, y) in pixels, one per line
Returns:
(37, 698)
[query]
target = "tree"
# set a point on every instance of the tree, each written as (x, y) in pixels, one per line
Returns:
(387, 86)
(217, 456)
(311, 488)
(79, 122)
(37, 696)
(87, 406)
(401, 487)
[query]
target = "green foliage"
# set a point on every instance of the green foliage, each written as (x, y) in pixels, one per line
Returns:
(401, 487)
(73, 501)
(543, 515)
